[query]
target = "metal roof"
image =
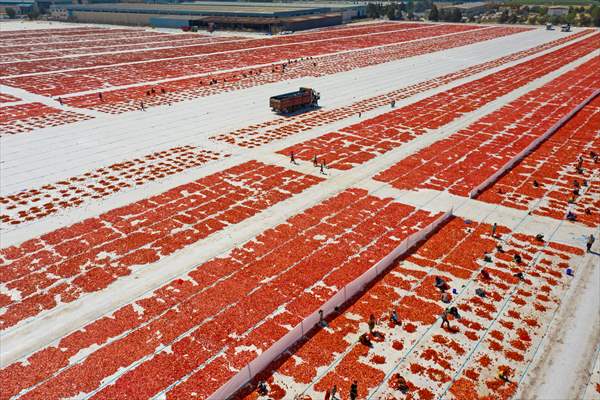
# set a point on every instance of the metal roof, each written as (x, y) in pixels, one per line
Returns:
(220, 9)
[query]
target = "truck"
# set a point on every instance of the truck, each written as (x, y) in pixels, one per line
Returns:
(290, 102)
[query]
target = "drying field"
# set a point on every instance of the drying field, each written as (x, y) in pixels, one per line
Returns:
(159, 241)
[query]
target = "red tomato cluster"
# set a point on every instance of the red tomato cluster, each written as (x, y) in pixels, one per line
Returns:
(358, 143)
(62, 265)
(503, 133)
(33, 204)
(550, 171)
(26, 117)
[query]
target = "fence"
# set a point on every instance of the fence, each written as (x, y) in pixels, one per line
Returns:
(356, 286)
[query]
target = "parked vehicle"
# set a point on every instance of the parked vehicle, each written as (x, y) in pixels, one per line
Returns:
(289, 102)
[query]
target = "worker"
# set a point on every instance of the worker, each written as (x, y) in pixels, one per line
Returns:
(322, 171)
(147, 93)
(315, 161)
(60, 101)
(571, 200)
(162, 90)
(535, 183)
(590, 243)
(444, 316)
(394, 318)
(372, 323)
(594, 156)
(539, 237)
(480, 292)
(142, 106)
(292, 158)
(322, 321)
(503, 373)
(579, 163)
(485, 275)
(517, 258)
(262, 388)
(152, 91)
(519, 275)
(446, 298)
(399, 383)
(354, 390)
(359, 114)
(364, 339)
(327, 395)
(333, 392)
(571, 216)
(454, 311)
(393, 104)
(494, 227)
(100, 96)
(440, 283)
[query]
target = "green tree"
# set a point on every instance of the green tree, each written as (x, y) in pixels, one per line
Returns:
(585, 20)
(391, 12)
(456, 15)
(542, 19)
(595, 15)
(373, 10)
(434, 14)
(12, 14)
(35, 12)
(570, 18)
(503, 17)
(422, 6)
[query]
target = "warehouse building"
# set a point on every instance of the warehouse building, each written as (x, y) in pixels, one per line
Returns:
(267, 17)
(467, 9)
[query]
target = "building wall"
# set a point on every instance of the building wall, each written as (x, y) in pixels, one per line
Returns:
(177, 16)
(112, 18)
(165, 22)
(59, 13)
(311, 24)
(552, 11)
